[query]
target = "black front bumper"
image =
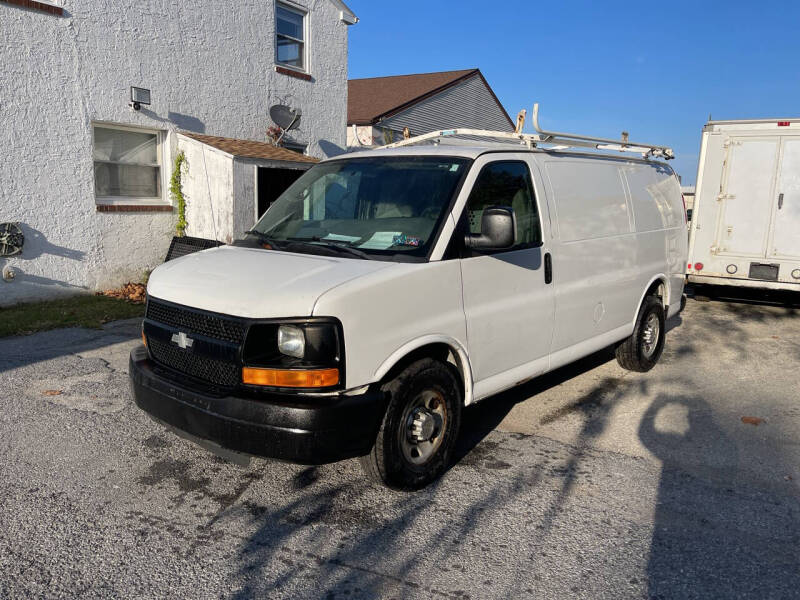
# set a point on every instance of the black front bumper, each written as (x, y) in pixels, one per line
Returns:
(296, 428)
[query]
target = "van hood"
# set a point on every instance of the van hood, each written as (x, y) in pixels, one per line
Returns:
(254, 283)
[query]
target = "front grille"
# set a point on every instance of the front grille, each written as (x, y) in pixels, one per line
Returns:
(193, 321)
(195, 365)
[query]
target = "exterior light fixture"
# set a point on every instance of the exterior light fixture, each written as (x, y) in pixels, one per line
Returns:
(139, 97)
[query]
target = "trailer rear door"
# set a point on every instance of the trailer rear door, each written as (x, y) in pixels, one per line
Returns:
(747, 196)
(785, 239)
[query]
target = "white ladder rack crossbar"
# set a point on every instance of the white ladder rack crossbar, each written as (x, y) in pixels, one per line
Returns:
(556, 139)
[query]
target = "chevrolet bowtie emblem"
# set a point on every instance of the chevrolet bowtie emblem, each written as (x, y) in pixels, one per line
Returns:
(183, 340)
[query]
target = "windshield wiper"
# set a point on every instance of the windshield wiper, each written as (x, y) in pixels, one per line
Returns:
(263, 237)
(340, 246)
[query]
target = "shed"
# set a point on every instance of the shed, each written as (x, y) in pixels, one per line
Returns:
(229, 183)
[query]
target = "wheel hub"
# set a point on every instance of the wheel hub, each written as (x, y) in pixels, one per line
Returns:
(424, 425)
(650, 334)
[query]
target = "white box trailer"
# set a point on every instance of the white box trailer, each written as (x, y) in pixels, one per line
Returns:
(745, 227)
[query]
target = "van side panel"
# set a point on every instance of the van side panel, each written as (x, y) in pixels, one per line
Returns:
(595, 268)
(661, 236)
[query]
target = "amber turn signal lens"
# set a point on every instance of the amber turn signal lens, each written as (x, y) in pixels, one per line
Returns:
(144, 339)
(314, 378)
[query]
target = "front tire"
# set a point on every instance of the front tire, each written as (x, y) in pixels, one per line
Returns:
(641, 351)
(419, 429)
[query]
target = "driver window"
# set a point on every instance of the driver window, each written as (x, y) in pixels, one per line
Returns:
(506, 184)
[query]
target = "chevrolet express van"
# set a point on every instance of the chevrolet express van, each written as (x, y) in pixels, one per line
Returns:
(386, 290)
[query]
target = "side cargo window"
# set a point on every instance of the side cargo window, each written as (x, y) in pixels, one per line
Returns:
(506, 183)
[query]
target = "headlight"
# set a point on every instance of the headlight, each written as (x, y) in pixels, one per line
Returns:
(295, 353)
(291, 341)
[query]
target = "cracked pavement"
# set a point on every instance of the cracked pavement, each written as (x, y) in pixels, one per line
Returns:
(590, 482)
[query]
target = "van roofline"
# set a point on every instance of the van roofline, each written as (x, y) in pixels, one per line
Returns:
(754, 121)
(473, 152)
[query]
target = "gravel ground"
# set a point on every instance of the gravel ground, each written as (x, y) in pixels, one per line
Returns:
(588, 483)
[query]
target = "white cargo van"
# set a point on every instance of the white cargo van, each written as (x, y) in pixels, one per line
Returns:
(386, 290)
(746, 221)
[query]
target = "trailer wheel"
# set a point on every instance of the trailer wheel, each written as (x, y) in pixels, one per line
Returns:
(418, 432)
(640, 352)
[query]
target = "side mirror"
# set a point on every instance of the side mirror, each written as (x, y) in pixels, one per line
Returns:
(498, 230)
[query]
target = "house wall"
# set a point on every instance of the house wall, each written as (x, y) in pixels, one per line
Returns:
(210, 67)
(369, 136)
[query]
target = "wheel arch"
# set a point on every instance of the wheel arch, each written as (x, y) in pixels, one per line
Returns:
(658, 286)
(442, 348)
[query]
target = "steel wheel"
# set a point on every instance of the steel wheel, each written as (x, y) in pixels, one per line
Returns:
(419, 429)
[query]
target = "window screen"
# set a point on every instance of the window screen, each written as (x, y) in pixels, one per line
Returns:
(506, 184)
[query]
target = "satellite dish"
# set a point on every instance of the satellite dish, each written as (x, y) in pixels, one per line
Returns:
(11, 239)
(285, 117)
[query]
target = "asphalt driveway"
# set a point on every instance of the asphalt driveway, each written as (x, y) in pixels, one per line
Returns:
(591, 482)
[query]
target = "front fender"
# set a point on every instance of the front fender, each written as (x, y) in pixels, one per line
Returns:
(461, 354)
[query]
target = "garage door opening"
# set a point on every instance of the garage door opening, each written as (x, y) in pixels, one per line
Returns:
(272, 183)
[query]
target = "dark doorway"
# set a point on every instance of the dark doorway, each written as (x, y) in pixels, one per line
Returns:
(272, 183)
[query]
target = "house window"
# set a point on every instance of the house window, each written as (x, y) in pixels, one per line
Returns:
(291, 36)
(127, 164)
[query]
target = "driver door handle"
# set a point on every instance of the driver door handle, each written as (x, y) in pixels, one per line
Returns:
(780, 201)
(548, 268)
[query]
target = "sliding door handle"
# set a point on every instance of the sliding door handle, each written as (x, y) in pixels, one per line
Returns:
(548, 268)
(780, 201)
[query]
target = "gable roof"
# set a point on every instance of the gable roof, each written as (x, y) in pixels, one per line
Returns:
(251, 148)
(372, 99)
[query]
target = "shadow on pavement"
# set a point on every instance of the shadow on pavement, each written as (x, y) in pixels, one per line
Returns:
(21, 351)
(711, 538)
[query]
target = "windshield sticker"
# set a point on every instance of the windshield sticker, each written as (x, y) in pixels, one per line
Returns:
(381, 240)
(335, 237)
(406, 240)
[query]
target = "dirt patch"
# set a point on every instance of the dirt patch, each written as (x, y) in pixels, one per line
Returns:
(132, 292)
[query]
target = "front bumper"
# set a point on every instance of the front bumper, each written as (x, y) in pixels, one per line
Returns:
(296, 428)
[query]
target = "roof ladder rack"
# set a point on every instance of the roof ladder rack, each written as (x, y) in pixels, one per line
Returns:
(555, 139)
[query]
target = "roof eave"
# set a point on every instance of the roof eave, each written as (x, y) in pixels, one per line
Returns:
(346, 15)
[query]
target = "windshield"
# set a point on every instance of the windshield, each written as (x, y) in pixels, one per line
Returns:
(379, 206)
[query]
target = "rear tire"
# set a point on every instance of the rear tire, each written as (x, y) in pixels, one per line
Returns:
(641, 351)
(420, 427)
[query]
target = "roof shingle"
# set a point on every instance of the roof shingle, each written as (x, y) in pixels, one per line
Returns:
(251, 148)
